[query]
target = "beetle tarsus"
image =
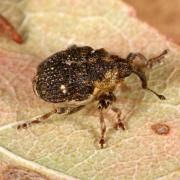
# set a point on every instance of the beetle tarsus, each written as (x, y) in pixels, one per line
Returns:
(102, 142)
(119, 124)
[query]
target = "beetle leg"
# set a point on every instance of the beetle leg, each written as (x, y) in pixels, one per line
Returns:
(104, 101)
(119, 123)
(103, 127)
(74, 109)
(37, 120)
(142, 77)
(61, 110)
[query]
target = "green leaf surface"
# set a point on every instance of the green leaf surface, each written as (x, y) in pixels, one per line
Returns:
(66, 147)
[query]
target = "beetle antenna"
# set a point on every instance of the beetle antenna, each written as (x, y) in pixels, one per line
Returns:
(144, 61)
(144, 85)
(156, 59)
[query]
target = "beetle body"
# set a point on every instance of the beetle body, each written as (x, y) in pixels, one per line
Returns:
(79, 74)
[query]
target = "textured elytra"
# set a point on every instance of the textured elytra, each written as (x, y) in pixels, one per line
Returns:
(73, 74)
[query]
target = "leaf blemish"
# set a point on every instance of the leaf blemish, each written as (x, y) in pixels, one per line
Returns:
(13, 172)
(9, 30)
(161, 129)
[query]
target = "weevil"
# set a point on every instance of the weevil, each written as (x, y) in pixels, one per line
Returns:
(80, 75)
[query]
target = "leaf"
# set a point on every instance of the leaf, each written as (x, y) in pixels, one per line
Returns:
(67, 146)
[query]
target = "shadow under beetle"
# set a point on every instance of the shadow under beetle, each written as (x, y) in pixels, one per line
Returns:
(79, 75)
